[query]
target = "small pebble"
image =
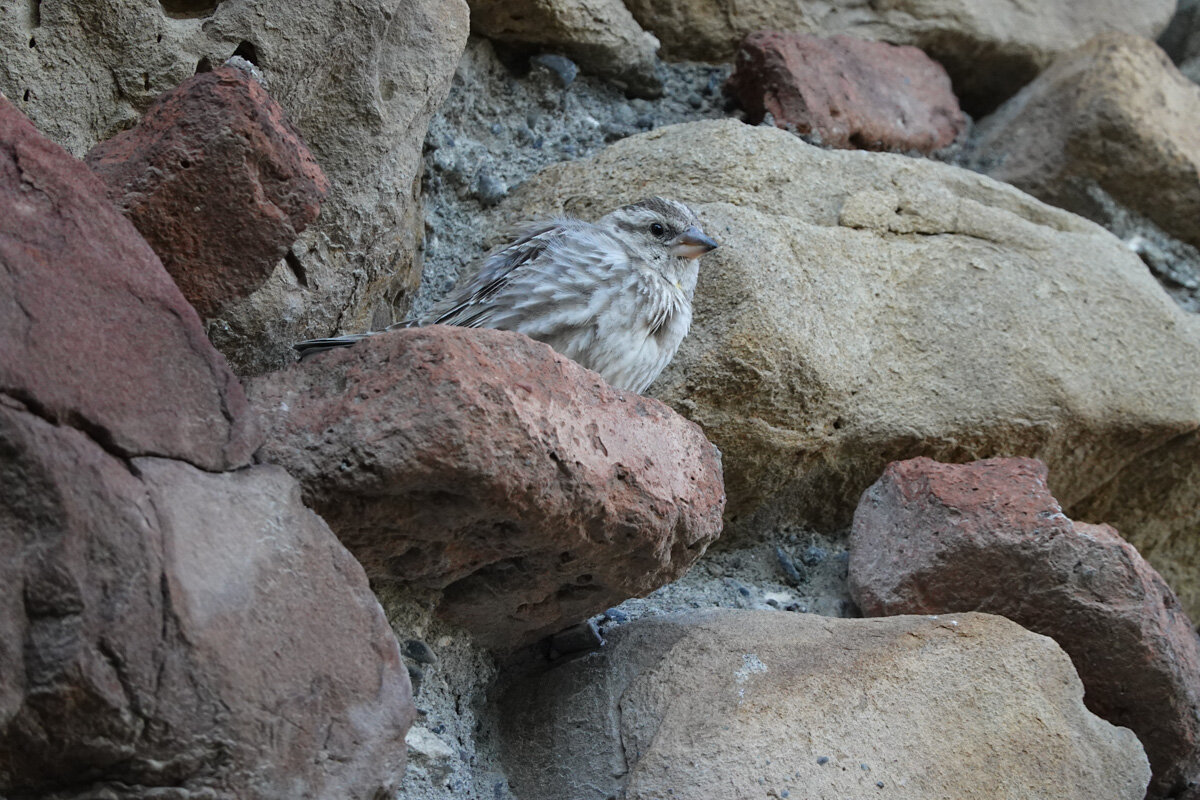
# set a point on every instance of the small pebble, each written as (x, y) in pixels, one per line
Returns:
(489, 189)
(813, 555)
(823, 760)
(418, 651)
(416, 676)
(645, 122)
(616, 615)
(497, 128)
(743, 591)
(794, 576)
(563, 68)
(879, 784)
(785, 793)
(695, 100)
(865, 768)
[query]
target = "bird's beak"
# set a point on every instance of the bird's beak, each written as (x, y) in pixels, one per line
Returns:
(692, 243)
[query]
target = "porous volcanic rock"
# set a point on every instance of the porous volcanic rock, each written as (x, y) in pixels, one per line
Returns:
(217, 181)
(93, 331)
(165, 630)
(866, 307)
(932, 538)
(990, 47)
(771, 704)
(1114, 114)
(600, 34)
(359, 79)
(847, 92)
(485, 464)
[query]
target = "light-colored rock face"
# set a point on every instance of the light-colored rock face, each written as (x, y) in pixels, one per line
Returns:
(1113, 114)
(864, 308)
(989, 46)
(358, 78)
(600, 34)
(740, 704)
(932, 538)
(484, 464)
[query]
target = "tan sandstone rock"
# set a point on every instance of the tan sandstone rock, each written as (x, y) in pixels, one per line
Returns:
(1114, 114)
(359, 79)
(865, 308)
(485, 465)
(600, 34)
(750, 704)
(989, 47)
(932, 538)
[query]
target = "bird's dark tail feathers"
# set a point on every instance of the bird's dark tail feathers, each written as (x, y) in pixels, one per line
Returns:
(311, 347)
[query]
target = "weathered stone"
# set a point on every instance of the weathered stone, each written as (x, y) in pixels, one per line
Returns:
(360, 80)
(217, 181)
(865, 308)
(771, 704)
(1113, 114)
(990, 47)
(168, 630)
(847, 92)
(93, 332)
(932, 538)
(600, 34)
(485, 464)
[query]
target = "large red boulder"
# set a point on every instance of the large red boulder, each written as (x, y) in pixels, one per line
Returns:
(93, 331)
(218, 182)
(486, 465)
(932, 538)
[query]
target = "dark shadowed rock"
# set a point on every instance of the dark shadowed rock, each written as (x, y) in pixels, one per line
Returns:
(486, 464)
(932, 538)
(847, 92)
(168, 630)
(217, 181)
(93, 332)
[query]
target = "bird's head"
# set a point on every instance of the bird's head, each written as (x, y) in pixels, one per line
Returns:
(659, 230)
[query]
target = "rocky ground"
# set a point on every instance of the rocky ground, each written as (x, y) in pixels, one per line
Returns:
(922, 371)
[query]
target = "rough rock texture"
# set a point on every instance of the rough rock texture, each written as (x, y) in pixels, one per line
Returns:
(164, 629)
(769, 704)
(358, 78)
(847, 92)
(865, 308)
(989, 47)
(600, 34)
(1113, 114)
(486, 464)
(932, 538)
(93, 332)
(217, 181)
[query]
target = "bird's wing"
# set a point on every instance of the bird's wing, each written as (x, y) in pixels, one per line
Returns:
(542, 282)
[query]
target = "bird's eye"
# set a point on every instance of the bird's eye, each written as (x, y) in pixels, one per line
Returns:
(657, 229)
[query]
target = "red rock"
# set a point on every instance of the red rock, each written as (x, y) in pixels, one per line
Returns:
(200, 633)
(218, 182)
(484, 464)
(93, 332)
(849, 93)
(932, 538)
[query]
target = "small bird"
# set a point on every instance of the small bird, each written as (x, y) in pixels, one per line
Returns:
(614, 295)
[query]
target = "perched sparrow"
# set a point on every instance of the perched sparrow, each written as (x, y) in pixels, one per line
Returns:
(615, 296)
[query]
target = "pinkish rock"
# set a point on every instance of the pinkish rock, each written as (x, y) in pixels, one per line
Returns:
(217, 181)
(847, 92)
(484, 464)
(931, 538)
(93, 332)
(166, 631)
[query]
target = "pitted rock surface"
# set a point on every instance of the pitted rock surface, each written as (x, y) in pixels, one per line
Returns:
(485, 464)
(217, 181)
(932, 538)
(847, 92)
(93, 331)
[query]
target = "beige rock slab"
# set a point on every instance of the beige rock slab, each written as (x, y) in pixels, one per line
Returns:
(865, 308)
(752, 704)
